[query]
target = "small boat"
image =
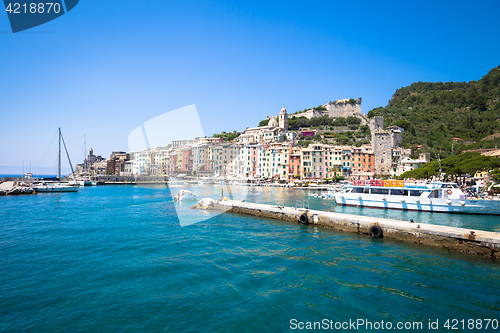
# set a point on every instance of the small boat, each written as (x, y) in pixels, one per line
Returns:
(86, 182)
(55, 187)
(174, 182)
(185, 195)
(443, 197)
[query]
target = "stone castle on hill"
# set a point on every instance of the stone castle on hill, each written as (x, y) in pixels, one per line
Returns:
(277, 126)
(339, 108)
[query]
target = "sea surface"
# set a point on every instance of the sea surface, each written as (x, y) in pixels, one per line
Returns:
(34, 176)
(118, 259)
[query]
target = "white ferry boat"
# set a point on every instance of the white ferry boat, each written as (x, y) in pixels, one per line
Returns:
(440, 197)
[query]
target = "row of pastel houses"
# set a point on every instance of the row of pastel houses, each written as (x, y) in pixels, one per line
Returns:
(276, 160)
(270, 152)
(280, 161)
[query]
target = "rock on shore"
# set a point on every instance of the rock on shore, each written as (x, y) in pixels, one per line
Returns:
(205, 203)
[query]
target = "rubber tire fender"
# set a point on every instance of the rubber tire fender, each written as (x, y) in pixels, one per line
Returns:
(376, 231)
(304, 219)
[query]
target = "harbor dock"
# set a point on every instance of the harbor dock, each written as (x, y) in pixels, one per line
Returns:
(10, 188)
(476, 242)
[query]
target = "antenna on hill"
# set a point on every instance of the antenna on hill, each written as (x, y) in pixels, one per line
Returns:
(439, 161)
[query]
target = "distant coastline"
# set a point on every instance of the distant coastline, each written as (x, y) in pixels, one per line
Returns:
(19, 175)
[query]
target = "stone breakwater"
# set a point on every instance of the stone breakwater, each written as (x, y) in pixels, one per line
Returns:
(476, 242)
(11, 188)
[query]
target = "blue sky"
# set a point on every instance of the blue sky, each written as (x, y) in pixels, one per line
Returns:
(108, 66)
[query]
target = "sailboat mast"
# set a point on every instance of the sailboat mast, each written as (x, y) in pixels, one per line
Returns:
(86, 165)
(59, 164)
(69, 160)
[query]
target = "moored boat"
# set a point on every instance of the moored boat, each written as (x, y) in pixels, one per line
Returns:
(174, 181)
(52, 187)
(55, 187)
(443, 197)
(86, 182)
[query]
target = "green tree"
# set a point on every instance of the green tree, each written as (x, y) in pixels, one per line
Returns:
(341, 121)
(353, 120)
(264, 122)
(480, 102)
(455, 166)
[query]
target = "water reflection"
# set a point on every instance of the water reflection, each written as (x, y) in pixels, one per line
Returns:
(292, 197)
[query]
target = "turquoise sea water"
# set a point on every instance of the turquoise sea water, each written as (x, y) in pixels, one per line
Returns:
(109, 259)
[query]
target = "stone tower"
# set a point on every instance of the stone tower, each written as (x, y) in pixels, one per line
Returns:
(377, 124)
(383, 142)
(283, 119)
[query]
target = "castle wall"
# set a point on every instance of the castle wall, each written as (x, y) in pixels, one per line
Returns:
(337, 109)
(397, 139)
(311, 114)
(342, 109)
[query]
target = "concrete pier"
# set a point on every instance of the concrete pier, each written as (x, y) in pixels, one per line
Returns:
(8, 188)
(477, 242)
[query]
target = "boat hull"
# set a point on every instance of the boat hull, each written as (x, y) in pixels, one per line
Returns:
(54, 189)
(87, 183)
(439, 205)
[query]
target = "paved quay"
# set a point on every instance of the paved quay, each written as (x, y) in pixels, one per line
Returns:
(476, 242)
(6, 185)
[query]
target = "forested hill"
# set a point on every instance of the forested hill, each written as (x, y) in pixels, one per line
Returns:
(433, 114)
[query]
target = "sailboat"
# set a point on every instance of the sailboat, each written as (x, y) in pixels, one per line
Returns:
(59, 187)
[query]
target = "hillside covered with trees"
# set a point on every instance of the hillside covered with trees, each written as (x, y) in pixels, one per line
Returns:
(456, 166)
(439, 115)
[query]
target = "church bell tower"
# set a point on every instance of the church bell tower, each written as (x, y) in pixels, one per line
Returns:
(283, 119)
